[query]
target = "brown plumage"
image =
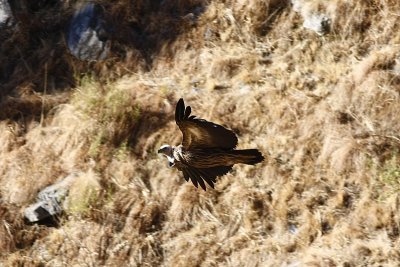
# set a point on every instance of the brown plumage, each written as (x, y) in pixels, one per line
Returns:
(207, 150)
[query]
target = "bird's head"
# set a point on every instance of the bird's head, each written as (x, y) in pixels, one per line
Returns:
(166, 150)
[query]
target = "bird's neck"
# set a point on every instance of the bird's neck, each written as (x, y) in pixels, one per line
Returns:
(177, 152)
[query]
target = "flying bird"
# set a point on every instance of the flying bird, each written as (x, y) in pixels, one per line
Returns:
(207, 150)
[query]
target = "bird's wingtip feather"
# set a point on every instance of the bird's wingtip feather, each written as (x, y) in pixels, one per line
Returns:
(180, 110)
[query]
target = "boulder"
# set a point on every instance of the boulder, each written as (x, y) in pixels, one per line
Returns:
(318, 23)
(6, 17)
(87, 34)
(314, 19)
(50, 201)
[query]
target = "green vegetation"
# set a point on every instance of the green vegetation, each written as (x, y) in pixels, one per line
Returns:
(389, 175)
(112, 112)
(83, 194)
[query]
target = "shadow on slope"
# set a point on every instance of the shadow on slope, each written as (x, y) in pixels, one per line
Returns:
(36, 61)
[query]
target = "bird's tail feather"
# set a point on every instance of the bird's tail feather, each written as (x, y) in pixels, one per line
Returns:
(249, 156)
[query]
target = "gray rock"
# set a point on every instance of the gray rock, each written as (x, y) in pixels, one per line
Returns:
(297, 5)
(313, 19)
(6, 16)
(50, 201)
(87, 35)
(319, 23)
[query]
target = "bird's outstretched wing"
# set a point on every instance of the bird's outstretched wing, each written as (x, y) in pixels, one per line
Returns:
(202, 176)
(199, 133)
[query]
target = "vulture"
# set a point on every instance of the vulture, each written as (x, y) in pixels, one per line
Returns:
(207, 150)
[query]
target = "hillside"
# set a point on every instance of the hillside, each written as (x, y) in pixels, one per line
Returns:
(322, 107)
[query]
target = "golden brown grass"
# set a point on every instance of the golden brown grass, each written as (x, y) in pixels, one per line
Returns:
(323, 110)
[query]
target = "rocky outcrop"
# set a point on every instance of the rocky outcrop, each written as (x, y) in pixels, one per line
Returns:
(50, 201)
(318, 23)
(6, 16)
(87, 35)
(314, 19)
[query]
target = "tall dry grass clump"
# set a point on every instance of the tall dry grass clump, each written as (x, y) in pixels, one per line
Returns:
(322, 109)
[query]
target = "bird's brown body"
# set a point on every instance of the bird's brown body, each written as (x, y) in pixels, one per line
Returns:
(211, 157)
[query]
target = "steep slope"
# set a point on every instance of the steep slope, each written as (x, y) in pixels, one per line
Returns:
(322, 109)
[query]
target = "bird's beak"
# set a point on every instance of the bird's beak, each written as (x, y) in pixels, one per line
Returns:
(159, 151)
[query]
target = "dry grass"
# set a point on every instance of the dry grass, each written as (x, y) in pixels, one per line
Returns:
(323, 110)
